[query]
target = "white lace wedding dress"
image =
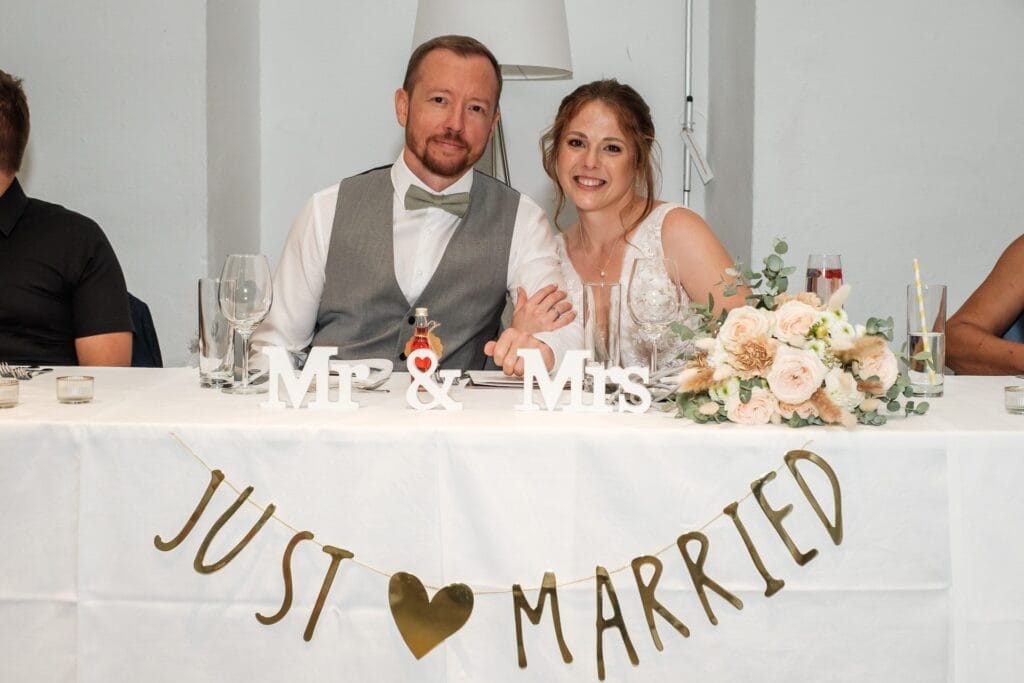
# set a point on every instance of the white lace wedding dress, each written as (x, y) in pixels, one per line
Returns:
(645, 242)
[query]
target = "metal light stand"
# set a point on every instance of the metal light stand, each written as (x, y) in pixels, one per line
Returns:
(496, 147)
(691, 150)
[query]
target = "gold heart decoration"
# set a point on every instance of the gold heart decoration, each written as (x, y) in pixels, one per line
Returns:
(426, 624)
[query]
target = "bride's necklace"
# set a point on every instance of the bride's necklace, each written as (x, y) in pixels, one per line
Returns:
(611, 251)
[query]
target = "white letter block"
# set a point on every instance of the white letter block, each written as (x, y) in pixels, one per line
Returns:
(570, 370)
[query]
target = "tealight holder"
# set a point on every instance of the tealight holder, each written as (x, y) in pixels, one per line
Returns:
(75, 388)
(1013, 397)
(9, 389)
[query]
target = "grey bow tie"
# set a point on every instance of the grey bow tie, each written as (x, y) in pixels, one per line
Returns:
(418, 198)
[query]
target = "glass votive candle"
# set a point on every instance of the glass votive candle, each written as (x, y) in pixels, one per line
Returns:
(9, 389)
(1013, 397)
(74, 389)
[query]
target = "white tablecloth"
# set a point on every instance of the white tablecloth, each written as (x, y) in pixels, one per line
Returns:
(925, 586)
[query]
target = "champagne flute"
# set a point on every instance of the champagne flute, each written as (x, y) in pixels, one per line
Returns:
(653, 299)
(824, 275)
(246, 292)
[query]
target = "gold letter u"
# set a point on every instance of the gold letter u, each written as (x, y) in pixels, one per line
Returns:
(221, 521)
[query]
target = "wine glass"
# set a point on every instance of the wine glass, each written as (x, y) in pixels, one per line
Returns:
(246, 292)
(653, 299)
(824, 275)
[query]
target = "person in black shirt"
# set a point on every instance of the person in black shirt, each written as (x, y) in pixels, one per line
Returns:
(63, 299)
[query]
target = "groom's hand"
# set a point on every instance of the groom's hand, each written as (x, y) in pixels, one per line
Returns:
(511, 340)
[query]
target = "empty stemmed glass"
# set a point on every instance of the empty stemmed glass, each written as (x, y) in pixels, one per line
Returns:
(653, 299)
(246, 292)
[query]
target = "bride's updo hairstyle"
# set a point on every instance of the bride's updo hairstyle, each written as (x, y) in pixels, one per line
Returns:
(634, 118)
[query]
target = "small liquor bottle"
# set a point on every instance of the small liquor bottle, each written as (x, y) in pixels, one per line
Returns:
(420, 340)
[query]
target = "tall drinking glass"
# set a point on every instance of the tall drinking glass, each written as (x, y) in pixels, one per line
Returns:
(653, 299)
(824, 275)
(246, 292)
(926, 332)
(601, 301)
(216, 338)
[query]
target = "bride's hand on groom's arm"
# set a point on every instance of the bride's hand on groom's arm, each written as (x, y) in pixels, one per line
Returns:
(547, 310)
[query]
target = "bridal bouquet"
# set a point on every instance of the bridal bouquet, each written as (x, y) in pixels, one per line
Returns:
(788, 359)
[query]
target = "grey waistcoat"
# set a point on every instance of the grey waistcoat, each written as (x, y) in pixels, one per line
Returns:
(363, 310)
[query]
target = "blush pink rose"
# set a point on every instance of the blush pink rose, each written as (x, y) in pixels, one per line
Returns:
(757, 411)
(793, 321)
(744, 324)
(881, 363)
(804, 410)
(795, 374)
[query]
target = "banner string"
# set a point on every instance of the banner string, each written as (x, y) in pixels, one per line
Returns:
(388, 575)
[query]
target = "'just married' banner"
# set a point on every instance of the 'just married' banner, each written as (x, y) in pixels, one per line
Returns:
(425, 622)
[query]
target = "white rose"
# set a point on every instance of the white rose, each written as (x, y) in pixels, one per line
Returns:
(841, 387)
(757, 411)
(743, 324)
(795, 374)
(793, 320)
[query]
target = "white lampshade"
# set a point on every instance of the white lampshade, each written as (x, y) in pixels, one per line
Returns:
(530, 38)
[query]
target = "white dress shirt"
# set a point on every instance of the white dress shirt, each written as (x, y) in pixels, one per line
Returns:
(420, 239)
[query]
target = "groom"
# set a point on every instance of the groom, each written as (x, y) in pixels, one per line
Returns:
(425, 231)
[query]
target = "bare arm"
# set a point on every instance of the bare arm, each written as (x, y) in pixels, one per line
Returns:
(973, 335)
(113, 349)
(700, 257)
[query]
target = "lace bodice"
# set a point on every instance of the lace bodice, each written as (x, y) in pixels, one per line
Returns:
(645, 242)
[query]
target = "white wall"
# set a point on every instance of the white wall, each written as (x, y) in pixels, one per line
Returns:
(729, 197)
(329, 71)
(117, 95)
(232, 129)
(887, 131)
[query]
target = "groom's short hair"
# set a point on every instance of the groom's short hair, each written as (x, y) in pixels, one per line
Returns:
(463, 46)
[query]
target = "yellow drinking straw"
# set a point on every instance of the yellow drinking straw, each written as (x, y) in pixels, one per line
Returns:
(924, 322)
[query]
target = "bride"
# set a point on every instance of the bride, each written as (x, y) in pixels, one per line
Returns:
(600, 153)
